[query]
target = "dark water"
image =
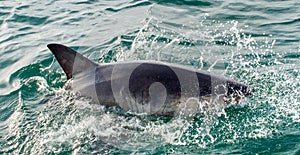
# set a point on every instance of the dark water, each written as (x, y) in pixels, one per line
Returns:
(255, 42)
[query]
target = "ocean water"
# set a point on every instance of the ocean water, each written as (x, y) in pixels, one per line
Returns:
(254, 42)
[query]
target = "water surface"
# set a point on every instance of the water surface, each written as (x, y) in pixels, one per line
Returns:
(255, 42)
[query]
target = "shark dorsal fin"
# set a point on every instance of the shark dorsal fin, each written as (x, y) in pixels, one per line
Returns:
(71, 61)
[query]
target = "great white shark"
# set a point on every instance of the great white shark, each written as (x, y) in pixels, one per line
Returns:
(150, 87)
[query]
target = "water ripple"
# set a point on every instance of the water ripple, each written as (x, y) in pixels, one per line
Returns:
(256, 42)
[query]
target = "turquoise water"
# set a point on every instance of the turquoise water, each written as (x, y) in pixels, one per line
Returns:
(255, 42)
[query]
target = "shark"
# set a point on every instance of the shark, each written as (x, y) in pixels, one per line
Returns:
(147, 87)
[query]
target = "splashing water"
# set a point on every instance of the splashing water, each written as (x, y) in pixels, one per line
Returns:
(47, 119)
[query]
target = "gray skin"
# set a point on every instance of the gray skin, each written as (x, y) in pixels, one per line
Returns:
(149, 87)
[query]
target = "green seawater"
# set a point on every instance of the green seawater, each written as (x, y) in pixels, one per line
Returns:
(254, 42)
